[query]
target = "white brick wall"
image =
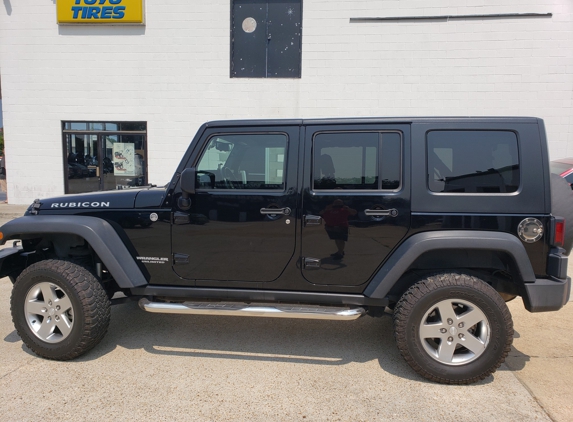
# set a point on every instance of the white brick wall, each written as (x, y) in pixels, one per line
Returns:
(174, 73)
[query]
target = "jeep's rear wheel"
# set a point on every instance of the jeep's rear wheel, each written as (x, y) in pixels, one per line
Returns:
(59, 309)
(453, 328)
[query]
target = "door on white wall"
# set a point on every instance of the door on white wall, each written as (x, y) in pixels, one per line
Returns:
(266, 38)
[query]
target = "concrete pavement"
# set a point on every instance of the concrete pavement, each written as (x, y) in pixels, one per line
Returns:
(221, 368)
(176, 367)
(542, 357)
(9, 211)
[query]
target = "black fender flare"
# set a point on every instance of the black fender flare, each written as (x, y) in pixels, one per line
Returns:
(97, 232)
(418, 244)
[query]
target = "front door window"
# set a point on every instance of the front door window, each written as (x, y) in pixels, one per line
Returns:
(243, 161)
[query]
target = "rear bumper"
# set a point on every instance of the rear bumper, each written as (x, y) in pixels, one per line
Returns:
(546, 294)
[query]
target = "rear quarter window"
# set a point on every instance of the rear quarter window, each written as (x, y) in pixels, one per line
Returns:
(469, 161)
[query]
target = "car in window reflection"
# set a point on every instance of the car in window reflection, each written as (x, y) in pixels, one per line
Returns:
(79, 170)
(71, 172)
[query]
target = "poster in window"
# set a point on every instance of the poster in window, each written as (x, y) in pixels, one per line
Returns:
(124, 159)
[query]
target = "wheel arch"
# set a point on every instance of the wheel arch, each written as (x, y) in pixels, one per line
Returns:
(98, 233)
(424, 252)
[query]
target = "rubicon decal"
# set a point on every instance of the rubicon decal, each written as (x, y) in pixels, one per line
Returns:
(100, 11)
(80, 205)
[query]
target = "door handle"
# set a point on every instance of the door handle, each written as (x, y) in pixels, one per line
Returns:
(275, 211)
(393, 212)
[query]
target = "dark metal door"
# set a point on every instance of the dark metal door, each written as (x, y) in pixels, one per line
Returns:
(356, 200)
(284, 36)
(241, 225)
(266, 38)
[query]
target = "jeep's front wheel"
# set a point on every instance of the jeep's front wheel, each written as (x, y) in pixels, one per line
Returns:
(453, 328)
(59, 309)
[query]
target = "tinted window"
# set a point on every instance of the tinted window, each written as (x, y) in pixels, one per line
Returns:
(473, 161)
(245, 161)
(357, 160)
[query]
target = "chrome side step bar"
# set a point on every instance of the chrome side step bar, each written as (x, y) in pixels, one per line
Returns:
(253, 309)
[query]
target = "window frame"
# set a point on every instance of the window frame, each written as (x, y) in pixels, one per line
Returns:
(468, 194)
(380, 133)
(222, 135)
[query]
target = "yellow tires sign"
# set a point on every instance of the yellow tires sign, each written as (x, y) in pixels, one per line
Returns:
(100, 11)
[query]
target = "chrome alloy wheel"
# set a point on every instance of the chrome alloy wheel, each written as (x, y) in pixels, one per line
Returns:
(49, 312)
(454, 332)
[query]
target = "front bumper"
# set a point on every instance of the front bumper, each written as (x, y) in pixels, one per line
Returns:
(546, 294)
(10, 261)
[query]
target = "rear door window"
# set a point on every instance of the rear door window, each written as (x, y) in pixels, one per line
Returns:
(357, 161)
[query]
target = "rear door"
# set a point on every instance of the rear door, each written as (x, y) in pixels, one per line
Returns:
(356, 200)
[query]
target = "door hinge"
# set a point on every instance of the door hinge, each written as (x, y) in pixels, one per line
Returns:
(181, 218)
(312, 220)
(311, 263)
(180, 259)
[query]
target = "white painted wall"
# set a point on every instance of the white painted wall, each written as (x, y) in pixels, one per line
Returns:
(174, 73)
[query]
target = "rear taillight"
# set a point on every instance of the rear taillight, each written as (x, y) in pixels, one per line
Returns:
(558, 232)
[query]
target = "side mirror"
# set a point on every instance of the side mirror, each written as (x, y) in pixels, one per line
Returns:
(188, 178)
(187, 187)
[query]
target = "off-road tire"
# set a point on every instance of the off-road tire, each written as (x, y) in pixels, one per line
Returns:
(89, 303)
(413, 306)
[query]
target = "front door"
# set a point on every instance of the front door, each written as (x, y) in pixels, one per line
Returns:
(241, 224)
(356, 206)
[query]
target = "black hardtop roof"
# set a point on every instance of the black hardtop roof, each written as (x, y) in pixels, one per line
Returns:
(368, 120)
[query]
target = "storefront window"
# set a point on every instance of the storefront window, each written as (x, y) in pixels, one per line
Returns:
(104, 155)
(133, 126)
(76, 126)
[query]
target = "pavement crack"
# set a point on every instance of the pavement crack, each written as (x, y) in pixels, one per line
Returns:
(533, 396)
(15, 369)
(540, 357)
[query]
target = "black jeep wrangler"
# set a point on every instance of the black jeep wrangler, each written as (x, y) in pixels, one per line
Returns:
(436, 221)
